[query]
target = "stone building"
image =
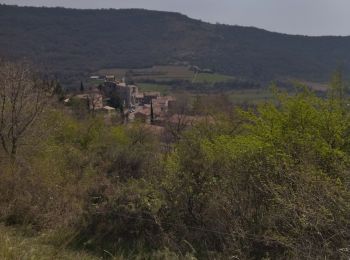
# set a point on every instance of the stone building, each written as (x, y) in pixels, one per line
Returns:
(125, 92)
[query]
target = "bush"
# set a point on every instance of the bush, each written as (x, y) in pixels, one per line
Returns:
(278, 189)
(271, 183)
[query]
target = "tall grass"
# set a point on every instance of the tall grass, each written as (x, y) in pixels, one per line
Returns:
(15, 245)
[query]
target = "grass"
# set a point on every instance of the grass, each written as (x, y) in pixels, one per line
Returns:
(211, 78)
(163, 89)
(15, 245)
(251, 96)
(162, 73)
(119, 73)
(94, 82)
(154, 73)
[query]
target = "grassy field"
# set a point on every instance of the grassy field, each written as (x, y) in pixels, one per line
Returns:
(166, 73)
(119, 73)
(15, 245)
(163, 89)
(211, 78)
(94, 82)
(251, 96)
(154, 73)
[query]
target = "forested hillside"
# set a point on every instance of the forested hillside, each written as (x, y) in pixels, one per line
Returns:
(71, 42)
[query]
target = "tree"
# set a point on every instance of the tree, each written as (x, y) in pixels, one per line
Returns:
(82, 88)
(58, 91)
(115, 101)
(178, 118)
(152, 113)
(337, 89)
(128, 79)
(279, 185)
(23, 96)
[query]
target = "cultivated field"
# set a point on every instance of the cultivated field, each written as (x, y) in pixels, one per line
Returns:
(166, 73)
(250, 96)
(161, 75)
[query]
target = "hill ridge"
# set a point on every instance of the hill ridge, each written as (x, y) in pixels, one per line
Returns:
(78, 41)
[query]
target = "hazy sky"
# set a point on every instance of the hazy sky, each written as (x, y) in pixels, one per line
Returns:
(310, 17)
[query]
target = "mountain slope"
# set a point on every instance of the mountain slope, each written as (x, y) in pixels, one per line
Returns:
(76, 41)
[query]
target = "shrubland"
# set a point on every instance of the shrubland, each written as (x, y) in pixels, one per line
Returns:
(270, 182)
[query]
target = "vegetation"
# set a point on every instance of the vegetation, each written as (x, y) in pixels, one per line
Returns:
(269, 182)
(175, 80)
(211, 78)
(250, 96)
(76, 42)
(15, 245)
(168, 73)
(163, 89)
(156, 73)
(23, 98)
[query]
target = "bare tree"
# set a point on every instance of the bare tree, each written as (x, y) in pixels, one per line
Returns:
(95, 101)
(178, 119)
(23, 97)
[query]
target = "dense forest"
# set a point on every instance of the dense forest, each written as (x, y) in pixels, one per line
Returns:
(71, 43)
(271, 182)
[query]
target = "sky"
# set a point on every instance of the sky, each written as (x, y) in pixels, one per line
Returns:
(306, 17)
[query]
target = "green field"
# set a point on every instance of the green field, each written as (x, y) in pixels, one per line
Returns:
(94, 82)
(166, 73)
(163, 89)
(210, 78)
(250, 96)
(159, 73)
(162, 74)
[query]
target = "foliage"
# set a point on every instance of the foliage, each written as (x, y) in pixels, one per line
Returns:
(14, 245)
(279, 189)
(272, 182)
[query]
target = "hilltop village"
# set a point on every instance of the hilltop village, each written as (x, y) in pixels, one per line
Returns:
(113, 97)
